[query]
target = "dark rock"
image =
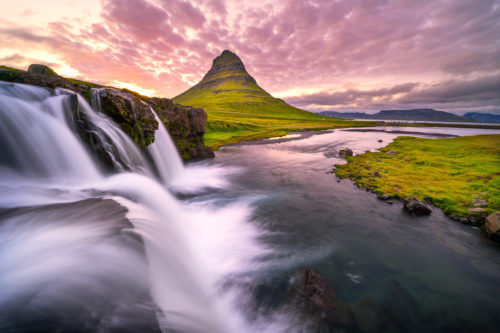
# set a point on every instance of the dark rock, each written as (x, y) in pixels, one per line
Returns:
(43, 76)
(492, 225)
(375, 173)
(379, 140)
(132, 114)
(391, 152)
(416, 207)
(461, 219)
(41, 70)
(429, 200)
(383, 197)
(345, 152)
(318, 304)
(186, 126)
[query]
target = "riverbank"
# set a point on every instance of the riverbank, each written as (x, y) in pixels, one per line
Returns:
(460, 175)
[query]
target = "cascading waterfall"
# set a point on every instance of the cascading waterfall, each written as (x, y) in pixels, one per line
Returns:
(164, 153)
(72, 253)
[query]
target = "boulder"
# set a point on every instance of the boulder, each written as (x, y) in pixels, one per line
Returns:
(416, 207)
(383, 196)
(345, 152)
(318, 304)
(492, 225)
(41, 70)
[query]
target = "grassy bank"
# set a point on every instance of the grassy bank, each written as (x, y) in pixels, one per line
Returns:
(459, 174)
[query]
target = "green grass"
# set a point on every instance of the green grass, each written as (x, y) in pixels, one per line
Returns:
(239, 109)
(454, 172)
(10, 68)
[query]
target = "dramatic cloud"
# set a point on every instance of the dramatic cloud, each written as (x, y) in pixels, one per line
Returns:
(342, 54)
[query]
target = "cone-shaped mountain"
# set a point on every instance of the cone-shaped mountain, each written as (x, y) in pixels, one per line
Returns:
(228, 88)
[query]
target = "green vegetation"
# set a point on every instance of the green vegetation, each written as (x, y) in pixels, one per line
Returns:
(456, 173)
(10, 68)
(238, 109)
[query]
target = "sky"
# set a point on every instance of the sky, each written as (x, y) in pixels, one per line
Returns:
(343, 55)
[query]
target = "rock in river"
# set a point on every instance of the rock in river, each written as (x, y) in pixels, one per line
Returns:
(345, 152)
(492, 225)
(416, 207)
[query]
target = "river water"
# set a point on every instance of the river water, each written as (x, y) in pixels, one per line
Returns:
(421, 274)
(214, 246)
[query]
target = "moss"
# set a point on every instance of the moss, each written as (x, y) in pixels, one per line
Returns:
(10, 68)
(454, 172)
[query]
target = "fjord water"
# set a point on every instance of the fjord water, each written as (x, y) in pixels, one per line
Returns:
(212, 247)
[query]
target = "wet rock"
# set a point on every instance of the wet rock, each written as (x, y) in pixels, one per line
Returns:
(461, 219)
(132, 114)
(416, 207)
(318, 304)
(383, 197)
(379, 140)
(345, 152)
(186, 126)
(492, 225)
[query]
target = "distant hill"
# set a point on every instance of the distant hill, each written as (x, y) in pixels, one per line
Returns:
(412, 115)
(483, 117)
(239, 109)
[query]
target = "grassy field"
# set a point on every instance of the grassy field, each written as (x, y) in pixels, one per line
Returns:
(456, 173)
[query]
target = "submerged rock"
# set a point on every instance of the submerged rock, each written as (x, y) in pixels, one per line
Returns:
(416, 207)
(345, 152)
(318, 304)
(492, 225)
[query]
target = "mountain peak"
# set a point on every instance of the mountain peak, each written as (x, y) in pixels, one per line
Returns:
(226, 64)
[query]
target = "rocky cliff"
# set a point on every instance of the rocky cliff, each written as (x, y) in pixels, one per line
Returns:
(129, 110)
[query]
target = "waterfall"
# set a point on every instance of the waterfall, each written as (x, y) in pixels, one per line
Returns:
(68, 245)
(165, 155)
(36, 140)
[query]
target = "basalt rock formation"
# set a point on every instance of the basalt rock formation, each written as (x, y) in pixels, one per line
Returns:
(132, 112)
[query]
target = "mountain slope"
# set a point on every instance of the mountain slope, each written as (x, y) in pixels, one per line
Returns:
(239, 109)
(413, 115)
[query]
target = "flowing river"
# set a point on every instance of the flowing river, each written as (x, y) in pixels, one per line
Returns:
(214, 246)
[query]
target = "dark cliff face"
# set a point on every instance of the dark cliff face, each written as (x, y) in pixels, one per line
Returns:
(186, 125)
(130, 111)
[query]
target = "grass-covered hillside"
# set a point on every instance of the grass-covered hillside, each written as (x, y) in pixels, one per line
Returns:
(461, 175)
(238, 109)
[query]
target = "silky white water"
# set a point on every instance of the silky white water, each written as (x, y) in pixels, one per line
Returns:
(74, 253)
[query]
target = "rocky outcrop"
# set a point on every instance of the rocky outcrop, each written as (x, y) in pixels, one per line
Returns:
(318, 304)
(492, 225)
(416, 207)
(186, 126)
(132, 112)
(44, 76)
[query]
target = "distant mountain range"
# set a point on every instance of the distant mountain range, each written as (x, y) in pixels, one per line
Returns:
(483, 117)
(416, 115)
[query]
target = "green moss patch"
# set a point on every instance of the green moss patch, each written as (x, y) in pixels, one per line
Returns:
(459, 174)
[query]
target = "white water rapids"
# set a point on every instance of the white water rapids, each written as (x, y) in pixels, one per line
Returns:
(66, 252)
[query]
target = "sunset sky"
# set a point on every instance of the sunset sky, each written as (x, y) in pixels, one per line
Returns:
(317, 55)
